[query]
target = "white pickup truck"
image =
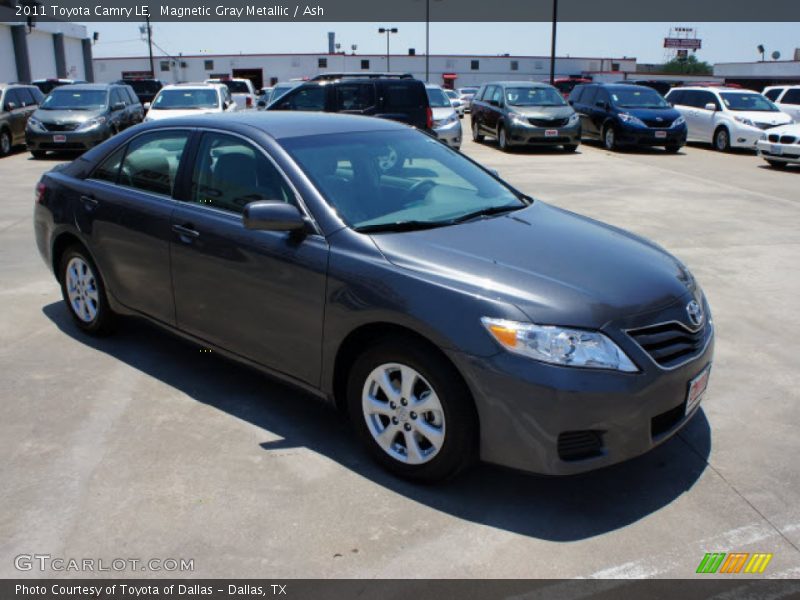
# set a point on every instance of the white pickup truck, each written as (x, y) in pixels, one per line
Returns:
(242, 91)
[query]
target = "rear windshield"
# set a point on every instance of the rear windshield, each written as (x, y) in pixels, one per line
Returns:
(65, 98)
(399, 96)
(437, 98)
(754, 102)
(237, 87)
(186, 99)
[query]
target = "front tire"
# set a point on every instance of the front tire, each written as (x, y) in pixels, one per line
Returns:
(477, 136)
(722, 139)
(672, 148)
(412, 410)
(84, 292)
(570, 147)
(502, 139)
(776, 164)
(610, 138)
(5, 143)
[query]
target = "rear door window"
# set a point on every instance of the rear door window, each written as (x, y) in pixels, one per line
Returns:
(791, 97)
(151, 164)
(704, 98)
(109, 168)
(488, 93)
(773, 94)
(588, 96)
(12, 97)
(310, 98)
(355, 96)
(404, 96)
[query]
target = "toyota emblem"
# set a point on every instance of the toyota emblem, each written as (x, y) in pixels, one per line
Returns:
(695, 312)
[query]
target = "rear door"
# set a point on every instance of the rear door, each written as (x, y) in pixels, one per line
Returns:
(17, 114)
(705, 120)
(119, 117)
(259, 294)
(584, 106)
(487, 119)
(403, 100)
(124, 207)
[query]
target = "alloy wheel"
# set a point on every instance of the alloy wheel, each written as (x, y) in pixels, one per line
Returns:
(722, 141)
(609, 138)
(403, 413)
(5, 143)
(84, 297)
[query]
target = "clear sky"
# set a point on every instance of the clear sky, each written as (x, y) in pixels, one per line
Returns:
(722, 42)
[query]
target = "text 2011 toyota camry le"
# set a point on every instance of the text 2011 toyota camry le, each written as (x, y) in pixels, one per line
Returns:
(451, 315)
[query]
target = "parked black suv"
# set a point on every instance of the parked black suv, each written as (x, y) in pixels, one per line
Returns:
(623, 114)
(77, 117)
(389, 97)
(145, 89)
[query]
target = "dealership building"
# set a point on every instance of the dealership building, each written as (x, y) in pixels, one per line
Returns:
(52, 49)
(449, 70)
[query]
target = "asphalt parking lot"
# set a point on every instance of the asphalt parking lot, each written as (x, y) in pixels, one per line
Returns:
(143, 446)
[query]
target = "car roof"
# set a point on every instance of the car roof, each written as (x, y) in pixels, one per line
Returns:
(90, 86)
(188, 84)
(519, 83)
(714, 88)
(287, 124)
(4, 86)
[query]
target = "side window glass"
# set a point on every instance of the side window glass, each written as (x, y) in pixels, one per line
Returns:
(151, 164)
(109, 168)
(601, 96)
(707, 98)
(676, 97)
(489, 93)
(588, 95)
(355, 96)
(116, 97)
(26, 97)
(791, 97)
(13, 98)
(773, 94)
(576, 94)
(497, 95)
(230, 173)
(307, 98)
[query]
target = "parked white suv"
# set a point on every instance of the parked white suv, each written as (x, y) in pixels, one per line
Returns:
(242, 91)
(780, 146)
(182, 99)
(726, 117)
(785, 97)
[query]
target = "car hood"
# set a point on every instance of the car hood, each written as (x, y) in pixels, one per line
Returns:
(668, 114)
(67, 116)
(773, 118)
(790, 129)
(556, 266)
(156, 115)
(543, 112)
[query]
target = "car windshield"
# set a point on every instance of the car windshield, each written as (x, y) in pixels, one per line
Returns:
(751, 102)
(280, 89)
(467, 91)
(71, 99)
(437, 98)
(186, 99)
(533, 96)
(637, 98)
(399, 180)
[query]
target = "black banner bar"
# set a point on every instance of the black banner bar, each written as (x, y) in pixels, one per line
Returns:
(700, 588)
(399, 10)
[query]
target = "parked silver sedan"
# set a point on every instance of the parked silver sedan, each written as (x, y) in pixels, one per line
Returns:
(446, 123)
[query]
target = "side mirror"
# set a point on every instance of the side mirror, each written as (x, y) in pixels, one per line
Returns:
(118, 106)
(146, 106)
(10, 106)
(272, 215)
(494, 173)
(711, 106)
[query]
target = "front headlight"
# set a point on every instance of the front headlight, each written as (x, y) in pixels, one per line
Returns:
(631, 120)
(36, 125)
(518, 118)
(574, 118)
(448, 120)
(92, 123)
(679, 121)
(559, 345)
(744, 121)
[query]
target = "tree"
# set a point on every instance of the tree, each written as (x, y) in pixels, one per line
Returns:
(687, 66)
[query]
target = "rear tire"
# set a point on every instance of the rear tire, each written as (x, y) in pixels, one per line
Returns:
(412, 410)
(5, 143)
(84, 292)
(477, 136)
(722, 139)
(776, 164)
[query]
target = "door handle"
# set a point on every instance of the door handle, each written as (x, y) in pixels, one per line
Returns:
(186, 230)
(89, 202)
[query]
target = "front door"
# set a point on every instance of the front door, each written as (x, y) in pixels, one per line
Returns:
(259, 294)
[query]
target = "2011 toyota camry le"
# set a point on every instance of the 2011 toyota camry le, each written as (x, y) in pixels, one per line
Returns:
(452, 316)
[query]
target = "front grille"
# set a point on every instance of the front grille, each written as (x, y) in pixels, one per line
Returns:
(764, 125)
(548, 122)
(61, 126)
(661, 424)
(787, 139)
(578, 445)
(773, 137)
(670, 343)
(657, 124)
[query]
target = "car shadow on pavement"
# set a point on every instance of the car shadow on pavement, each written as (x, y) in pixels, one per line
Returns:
(556, 509)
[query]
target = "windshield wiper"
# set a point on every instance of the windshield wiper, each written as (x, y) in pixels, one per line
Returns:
(401, 226)
(485, 212)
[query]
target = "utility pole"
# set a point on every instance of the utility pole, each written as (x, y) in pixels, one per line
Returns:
(150, 46)
(427, 40)
(553, 44)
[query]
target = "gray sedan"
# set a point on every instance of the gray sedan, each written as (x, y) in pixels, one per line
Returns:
(451, 316)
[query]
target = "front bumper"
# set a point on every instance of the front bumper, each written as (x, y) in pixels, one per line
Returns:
(647, 136)
(520, 134)
(532, 414)
(450, 134)
(72, 140)
(788, 153)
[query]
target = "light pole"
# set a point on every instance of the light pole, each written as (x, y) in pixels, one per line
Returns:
(553, 44)
(388, 31)
(427, 40)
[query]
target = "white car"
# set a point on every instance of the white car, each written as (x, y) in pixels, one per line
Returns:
(785, 97)
(182, 99)
(726, 117)
(456, 102)
(780, 146)
(446, 125)
(242, 91)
